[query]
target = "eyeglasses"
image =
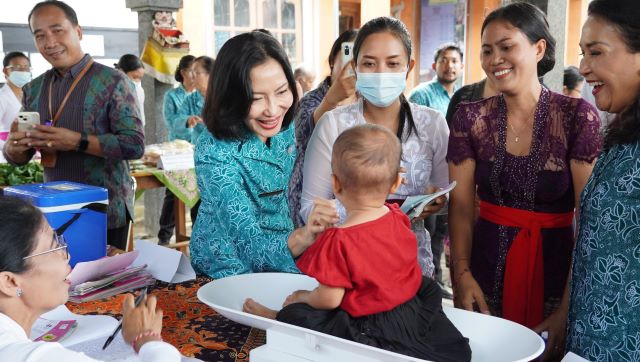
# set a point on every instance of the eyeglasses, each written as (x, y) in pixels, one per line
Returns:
(60, 244)
(19, 68)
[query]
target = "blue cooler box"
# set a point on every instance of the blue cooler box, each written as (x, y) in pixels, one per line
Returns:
(77, 211)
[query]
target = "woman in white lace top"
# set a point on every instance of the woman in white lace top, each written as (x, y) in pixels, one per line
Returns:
(382, 60)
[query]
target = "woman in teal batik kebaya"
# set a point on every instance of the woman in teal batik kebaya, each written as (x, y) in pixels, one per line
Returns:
(604, 312)
(243, 164)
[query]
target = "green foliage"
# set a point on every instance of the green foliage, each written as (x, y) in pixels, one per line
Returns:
(27, 174)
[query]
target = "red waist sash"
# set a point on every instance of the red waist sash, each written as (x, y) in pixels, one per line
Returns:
(523, 291)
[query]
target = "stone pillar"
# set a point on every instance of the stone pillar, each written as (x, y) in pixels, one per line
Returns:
(557, 16)
(155, 130)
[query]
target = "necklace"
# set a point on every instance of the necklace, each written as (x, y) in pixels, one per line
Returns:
(517, 134)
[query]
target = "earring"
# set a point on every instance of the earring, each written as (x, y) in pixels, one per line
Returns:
(19, 292)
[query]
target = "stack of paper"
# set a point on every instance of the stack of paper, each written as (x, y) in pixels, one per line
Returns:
(107, 277)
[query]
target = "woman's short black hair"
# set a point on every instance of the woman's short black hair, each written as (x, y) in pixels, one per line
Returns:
(346, 36)
(128, 63)
(230, 95)
(623, 15)
(7, 58)
(533, 24)
(69, 13)
(19, 226)
(206, 63)
(185, 63)
(572, 77)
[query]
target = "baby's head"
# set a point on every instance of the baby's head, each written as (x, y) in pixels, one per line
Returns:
(365, 163)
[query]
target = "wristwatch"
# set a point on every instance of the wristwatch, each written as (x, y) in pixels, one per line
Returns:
(84, 142)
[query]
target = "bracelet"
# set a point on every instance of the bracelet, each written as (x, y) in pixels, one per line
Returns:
(455, 262)
(457, 278)
(147, 333)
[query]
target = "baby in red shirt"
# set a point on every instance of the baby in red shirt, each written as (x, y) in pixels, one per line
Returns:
(371, 288)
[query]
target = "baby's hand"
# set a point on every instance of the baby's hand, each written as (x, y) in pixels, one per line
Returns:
(323, 215)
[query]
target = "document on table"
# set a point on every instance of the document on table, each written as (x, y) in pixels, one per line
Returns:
(90, 270)
(165, 264)
(88, 326)
(90, 334)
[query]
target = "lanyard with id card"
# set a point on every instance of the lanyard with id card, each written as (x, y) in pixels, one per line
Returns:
(49, 157)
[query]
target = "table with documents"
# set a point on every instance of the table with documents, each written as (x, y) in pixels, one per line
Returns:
(191, 326)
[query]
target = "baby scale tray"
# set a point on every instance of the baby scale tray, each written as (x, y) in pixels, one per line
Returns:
(491, 338)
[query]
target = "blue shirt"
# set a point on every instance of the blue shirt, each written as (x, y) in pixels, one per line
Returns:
(243, 222)
(174, 116)
(193, 106)
(431, 94)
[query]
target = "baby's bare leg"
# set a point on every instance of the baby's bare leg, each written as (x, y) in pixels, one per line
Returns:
(252, 307)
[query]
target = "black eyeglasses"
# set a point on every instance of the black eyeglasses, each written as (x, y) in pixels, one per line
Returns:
(60, 244)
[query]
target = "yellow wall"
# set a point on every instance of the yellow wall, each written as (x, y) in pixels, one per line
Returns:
(371, 9)
(191, 20)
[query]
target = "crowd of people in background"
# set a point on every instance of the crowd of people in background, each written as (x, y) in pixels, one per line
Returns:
(543, 224)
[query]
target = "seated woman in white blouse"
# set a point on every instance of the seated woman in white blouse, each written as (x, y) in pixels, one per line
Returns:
(34, 265)
(382, 60)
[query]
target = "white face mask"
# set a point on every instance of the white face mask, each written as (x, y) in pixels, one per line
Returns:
(19, 78)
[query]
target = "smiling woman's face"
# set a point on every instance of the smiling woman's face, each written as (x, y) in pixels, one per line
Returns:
(609, 66)
(508, 58)
(272, 98)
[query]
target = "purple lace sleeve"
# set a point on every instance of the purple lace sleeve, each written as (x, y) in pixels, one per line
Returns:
(587, 140)
(460, 144)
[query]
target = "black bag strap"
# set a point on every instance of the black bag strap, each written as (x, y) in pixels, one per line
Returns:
(98, 207)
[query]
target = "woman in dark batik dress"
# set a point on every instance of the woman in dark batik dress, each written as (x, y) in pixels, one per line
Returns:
(529, 152)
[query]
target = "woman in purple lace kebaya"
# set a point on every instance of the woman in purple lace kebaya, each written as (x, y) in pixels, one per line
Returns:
(528, 152)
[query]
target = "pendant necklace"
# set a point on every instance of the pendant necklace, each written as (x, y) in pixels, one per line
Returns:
(517, 134)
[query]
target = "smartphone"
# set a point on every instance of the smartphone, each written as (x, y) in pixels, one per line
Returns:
(346, 54)
(26, 120)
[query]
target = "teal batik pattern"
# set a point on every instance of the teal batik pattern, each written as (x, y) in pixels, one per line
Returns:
(243, 222)
(604, 315)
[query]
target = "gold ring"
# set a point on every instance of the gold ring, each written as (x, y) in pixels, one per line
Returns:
(49, 144)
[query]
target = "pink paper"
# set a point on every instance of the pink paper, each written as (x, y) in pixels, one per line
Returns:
(90, 270)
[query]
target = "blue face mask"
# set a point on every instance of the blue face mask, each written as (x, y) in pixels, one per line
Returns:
(381, 89)
(19, 79)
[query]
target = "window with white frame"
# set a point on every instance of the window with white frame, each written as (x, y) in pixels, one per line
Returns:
(280, 17)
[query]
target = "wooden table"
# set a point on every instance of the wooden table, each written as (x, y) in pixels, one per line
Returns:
(145, 180)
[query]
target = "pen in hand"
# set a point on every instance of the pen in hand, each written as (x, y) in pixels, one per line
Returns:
(139, 299)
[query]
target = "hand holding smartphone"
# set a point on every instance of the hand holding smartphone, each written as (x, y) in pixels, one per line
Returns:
(26, 121)
(346, 55)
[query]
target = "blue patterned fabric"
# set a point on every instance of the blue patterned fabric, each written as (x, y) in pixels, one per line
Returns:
(604, 318)
(174, 116)
(431, 94)
(243, 222)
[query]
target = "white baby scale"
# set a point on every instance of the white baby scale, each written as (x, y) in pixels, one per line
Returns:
(491, 338)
